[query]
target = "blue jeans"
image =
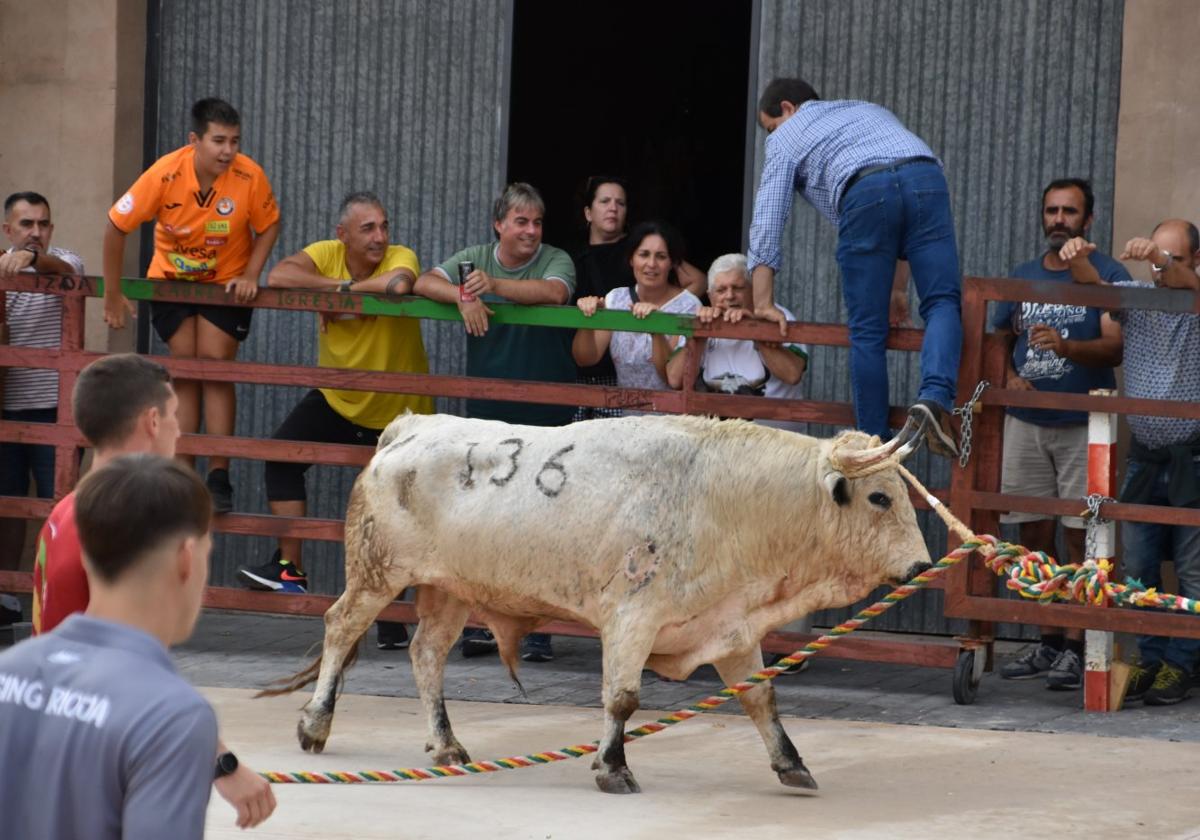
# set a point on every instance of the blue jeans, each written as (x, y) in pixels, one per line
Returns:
(900, 213)
(18, 460)
(1145, 547)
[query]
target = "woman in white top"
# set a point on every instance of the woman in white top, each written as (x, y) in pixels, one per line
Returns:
(640, 359)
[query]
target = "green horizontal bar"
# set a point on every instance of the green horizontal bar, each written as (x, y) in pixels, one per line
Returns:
(417, 307)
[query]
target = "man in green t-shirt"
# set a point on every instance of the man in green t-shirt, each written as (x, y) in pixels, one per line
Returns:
(517, 268)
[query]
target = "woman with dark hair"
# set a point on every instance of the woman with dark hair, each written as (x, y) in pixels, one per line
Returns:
(602, 265)
(655, 254)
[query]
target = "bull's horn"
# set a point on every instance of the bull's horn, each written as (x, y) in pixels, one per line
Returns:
(903, 443)
(912, 434)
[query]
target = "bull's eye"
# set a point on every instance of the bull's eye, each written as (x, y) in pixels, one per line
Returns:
(882, 500)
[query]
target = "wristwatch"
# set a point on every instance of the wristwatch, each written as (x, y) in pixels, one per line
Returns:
(345, 285)
(227, 763)
(36, 253)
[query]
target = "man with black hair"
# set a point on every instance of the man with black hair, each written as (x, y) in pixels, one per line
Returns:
(1060, 349)
(1163, 464)
(99, 736)
(216, 222)
(30, 395)
(884, 189)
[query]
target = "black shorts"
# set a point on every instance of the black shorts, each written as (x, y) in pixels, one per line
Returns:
(312, 419)
(169, 317)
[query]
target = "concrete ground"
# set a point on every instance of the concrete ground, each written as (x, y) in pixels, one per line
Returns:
(708, 778)
(895, 757)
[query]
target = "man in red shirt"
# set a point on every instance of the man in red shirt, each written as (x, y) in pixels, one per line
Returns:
(123, 404)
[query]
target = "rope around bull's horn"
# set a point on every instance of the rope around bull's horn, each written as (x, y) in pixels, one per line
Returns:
(1035, 575)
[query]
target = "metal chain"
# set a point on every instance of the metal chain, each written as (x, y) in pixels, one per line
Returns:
(1094, 521)
(965, 415)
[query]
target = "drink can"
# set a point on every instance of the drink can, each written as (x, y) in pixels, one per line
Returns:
(464, 269)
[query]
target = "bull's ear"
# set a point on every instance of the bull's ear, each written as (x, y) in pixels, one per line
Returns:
(838, 487)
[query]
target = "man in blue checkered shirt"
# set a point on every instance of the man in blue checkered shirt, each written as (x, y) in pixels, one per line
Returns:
(1163, 463)
(885, 190)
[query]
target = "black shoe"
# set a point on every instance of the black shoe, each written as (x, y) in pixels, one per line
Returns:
(773, 659)
(1035, 662)
(536, 648)
(1140, 680)
(476, 642)
(1066, 674)
(939, 433)
(390, 635)
(1171, 686)
(221, 490)
(278, 575)
(10, 610)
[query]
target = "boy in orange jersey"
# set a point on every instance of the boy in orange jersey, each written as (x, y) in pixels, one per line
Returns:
(216, 223)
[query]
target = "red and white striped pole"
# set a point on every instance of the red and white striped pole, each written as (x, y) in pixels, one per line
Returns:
(1102, 480)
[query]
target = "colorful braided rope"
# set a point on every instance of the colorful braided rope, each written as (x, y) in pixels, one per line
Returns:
(1036, 575)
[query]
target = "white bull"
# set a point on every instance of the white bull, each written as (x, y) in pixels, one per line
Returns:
(682, 540)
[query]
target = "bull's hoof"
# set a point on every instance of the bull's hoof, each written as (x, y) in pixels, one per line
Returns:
(454, 754)
(618, 781)
(797, 777)
(309, 743)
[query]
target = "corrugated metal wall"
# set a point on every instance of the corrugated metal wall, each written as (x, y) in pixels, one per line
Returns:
(403, 98)
(407, 98)
(1009, 94)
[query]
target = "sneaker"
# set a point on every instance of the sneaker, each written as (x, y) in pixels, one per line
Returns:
(476, 642)
(10, 610)
(221, 490)
(939, 433)
(536, 648)
(390, 635)
(278, 575)
(773, 658)
(1140, 680)
(1066, 673)
(1171, 686)
(1033, 663)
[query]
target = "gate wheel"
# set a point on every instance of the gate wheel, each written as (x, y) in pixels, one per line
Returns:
(965, 681)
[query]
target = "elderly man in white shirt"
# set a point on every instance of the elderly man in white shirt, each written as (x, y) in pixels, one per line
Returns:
(742, 366)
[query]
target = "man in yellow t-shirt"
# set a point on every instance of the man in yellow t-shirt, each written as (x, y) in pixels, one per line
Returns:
(359, 260)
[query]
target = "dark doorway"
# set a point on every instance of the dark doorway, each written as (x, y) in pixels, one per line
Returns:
(654, 91)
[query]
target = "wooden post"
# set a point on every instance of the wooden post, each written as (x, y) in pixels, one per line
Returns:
(1102, 480)
(66, 456)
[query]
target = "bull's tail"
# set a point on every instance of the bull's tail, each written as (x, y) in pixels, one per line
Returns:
(286, 685)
